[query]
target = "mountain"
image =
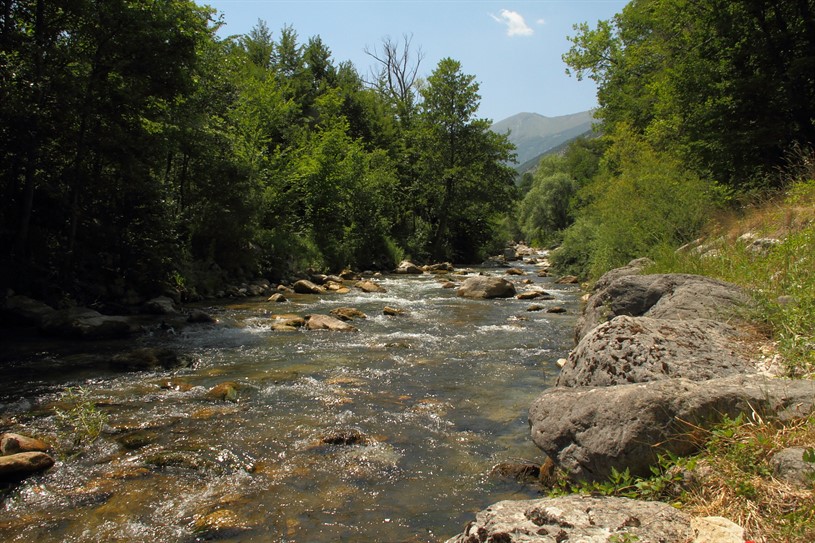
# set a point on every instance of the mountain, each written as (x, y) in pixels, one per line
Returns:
(534, 135)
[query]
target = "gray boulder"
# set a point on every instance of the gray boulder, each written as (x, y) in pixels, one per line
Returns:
(661, 296)
(791, 465)
(642, 349)
(587, 431)
(484, 286)
(579, 518)
(148, 359)
(83, 323)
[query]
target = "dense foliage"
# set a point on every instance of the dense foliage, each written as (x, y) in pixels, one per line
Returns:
(138, 149)
(699, 104)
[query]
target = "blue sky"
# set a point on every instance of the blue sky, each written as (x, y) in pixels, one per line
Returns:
(513, 48)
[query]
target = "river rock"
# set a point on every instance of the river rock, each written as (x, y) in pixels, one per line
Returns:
(369, 286)
(578, 518)
(588, 431)
(304, 286)
(345, 437)
(15, 443)
(514, 271)
(325, 322)
(661, 296)
(716, 530)
(162, 305)
(19, 310)
(534, 294)
(443, 267)
(148, 359)
(84, 323)
(277, 298)
(348, 313)
(15, 467)
(641, 349)
(225, 392)
(485, 286)
(392, 311)
(408, 268)
(220, 524)
(791, 465)
(568, 280)
(197, 316)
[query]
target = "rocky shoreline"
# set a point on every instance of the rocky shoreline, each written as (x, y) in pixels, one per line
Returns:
(659, 358)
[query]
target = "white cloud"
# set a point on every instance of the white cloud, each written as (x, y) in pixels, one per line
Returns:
(516, 26)
(541, 22)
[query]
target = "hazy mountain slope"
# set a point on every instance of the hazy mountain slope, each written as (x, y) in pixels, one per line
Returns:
(534, 134)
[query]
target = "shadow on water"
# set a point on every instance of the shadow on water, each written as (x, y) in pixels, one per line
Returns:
(387, 434)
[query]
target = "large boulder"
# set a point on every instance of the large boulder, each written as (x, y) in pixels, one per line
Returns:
(485, 286)
(579, 518)
(588, 431)
(641, 349)
(84, 323)
(661, 296)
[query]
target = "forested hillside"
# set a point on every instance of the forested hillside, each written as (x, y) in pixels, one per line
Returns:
(704, 106)
(139, 150)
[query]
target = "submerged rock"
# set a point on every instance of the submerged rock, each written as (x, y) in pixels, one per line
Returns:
(579, 518)
(149, 358)
(345, 437)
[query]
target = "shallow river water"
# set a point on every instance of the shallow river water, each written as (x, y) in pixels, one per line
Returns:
(440, 395)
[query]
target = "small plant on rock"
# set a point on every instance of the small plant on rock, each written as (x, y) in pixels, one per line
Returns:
(79, 420)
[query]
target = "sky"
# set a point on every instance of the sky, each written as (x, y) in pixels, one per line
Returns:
(513, 48)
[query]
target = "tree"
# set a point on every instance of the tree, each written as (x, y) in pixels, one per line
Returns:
(396, 76)
(465, 176)
(728, 85)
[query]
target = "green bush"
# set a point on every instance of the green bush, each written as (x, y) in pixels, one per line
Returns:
(641, 201)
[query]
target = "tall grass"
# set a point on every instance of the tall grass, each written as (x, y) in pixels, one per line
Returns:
(781, 275)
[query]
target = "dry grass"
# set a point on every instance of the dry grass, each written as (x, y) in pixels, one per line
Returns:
(733, 479)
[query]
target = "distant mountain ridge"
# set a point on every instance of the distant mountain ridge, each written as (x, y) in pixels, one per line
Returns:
(534, 134)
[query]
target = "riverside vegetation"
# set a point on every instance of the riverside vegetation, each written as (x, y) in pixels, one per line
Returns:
(256, 155)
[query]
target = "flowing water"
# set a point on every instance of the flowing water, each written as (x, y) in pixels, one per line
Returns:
(440, 395)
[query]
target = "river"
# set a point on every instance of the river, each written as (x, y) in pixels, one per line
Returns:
(438, 394)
